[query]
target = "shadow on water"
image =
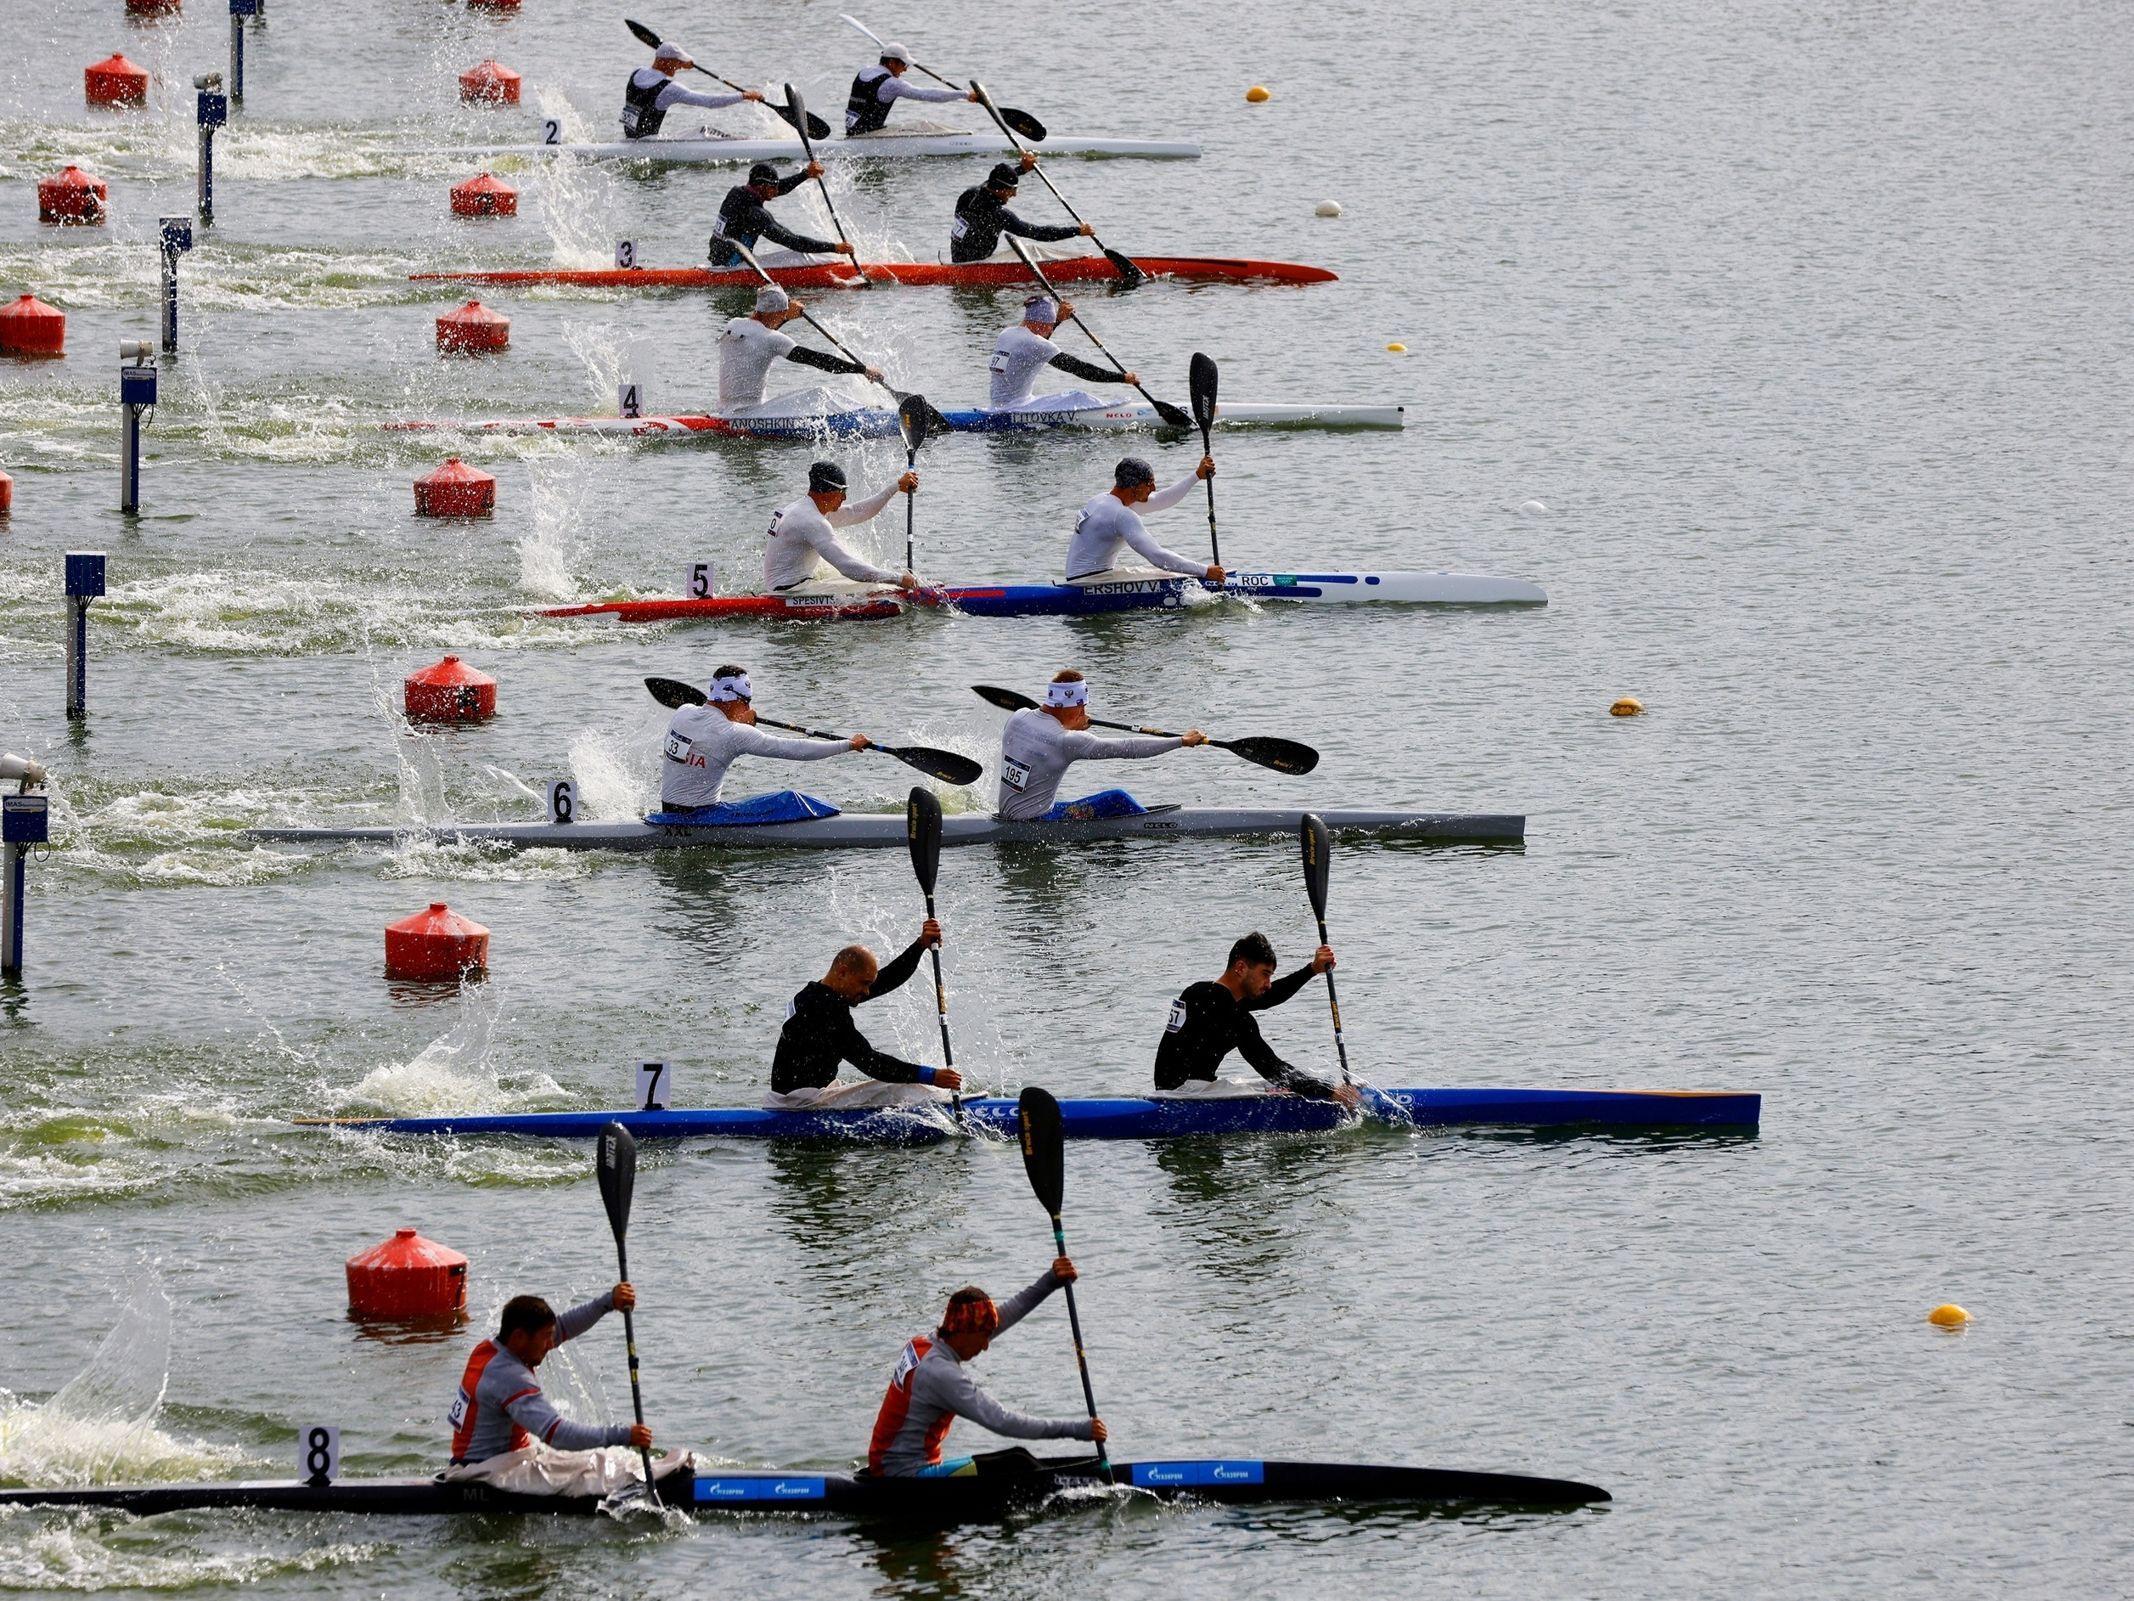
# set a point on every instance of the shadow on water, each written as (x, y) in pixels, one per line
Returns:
(853, 1211)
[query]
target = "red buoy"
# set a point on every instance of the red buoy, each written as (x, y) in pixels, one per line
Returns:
(489, 83)
(453, 490)
(115, 81)
(472, 330)
(71, 195)
(29, 327)
(407, 1277)
(435, 946)
(484, 196)
(449, 692)
(7, 494)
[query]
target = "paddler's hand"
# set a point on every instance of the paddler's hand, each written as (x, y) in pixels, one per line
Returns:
(641, 1436)
(1323, 959)
(1206, 469)
(1348, 1095)
(1028, 162)
(753, 94)
(624, 1297)
(813, 169)
(1214, 574)
(1086, 231)
(1064, 1270)
(1097, 1431)
(909, 483)
(874, 375)
(971, 96)
(947, 1078)
(930, 933)
(910, 583)
(844, 248)
(1192, 737)
(1132, 380)
(859, 742)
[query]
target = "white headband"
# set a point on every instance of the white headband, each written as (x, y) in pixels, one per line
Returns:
(1072, 692)
(732, 688)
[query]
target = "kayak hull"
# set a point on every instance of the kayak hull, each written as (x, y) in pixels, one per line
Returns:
(873, 422)
(715, 150)
(1002, 274)
(876, 831)
(1237, 1481)
(1129, 1117)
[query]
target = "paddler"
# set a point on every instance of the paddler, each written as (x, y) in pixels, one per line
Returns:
(702, 742)
(819, 1034)
(929, 1389)
(1111, 521)
(1040, 743)
(506, 1433)
(982, 216)
(882, 85)
(1026, 349)
(652, 92)
(749, 345)
(804, 538)
(744, 218)
(1213, 1018)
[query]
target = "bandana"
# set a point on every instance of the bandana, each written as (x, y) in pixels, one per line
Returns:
(1041, 308)
(733, 688)
(1074, 692)
(971, 1317)
(771, 298)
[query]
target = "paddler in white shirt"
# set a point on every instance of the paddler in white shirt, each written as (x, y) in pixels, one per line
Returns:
(803, 539)
(652, 92)
(702, 742)
(1024, 351)
(877, 88)
(749, 345)
(1110, 522)
(1040, 743)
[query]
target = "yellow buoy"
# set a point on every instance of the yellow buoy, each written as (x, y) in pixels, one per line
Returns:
(1627, 706)
(1948, 1316)
(1258, 94)
(1398, 348)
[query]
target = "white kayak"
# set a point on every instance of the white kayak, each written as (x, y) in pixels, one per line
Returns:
(713, 148)
(771, 421)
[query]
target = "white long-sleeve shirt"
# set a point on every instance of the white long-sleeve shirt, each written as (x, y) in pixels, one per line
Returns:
(1036, 750)
(1107, 523)
(673, 94)
(746, 350)
(702, 744)
(801, 537)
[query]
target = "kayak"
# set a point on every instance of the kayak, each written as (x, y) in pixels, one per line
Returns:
(711, 149)
(874, 422)
(882, 831)
(1235, 1481)
(1129, 1117)
(1157, 592)
(843, 275)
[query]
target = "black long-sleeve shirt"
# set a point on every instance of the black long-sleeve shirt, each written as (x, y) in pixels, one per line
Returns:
(820, 1034)
(743, 217)
(1208, 1023)
(982, 217)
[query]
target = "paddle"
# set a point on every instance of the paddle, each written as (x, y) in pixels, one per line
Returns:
(935, 422)
(1283, 755)
(797, 115)
(912, 417)
(615, 1163)
(1171, 415)
(945, 765)
(1318, 859)
(1019, 121)
(816, 126)
(922, 831)
(1200, 385)
(1037, 1120)
(1130, 276)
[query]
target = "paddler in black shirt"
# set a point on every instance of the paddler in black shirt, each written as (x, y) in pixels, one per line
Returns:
(1213, 1018)
(745, 217)
(819, 1034)
(982, 216)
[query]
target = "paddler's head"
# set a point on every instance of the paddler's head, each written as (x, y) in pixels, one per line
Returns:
(971, 1321)
(670, 57)
(1067, 699)
(1251, 969)
(774, 307)
(729, 692)
(852, 974)
(763, 178)
(528, 1329)
(897, 59)
(1132, 481)
(826, 486)
(1041, 313)
(1003, 181)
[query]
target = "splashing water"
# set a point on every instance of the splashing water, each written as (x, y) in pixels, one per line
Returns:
(453, 1073)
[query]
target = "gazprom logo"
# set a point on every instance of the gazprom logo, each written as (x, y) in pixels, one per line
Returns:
(759, 1488)
(1184, 1475)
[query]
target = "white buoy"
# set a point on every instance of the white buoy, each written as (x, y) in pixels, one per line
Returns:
(1328, 208)
(1533, 508)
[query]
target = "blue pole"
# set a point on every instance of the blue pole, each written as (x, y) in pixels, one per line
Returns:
(24, 822)
(137, 393)
(85, 582)
(239, 10)
(213, 111)
(177, 240)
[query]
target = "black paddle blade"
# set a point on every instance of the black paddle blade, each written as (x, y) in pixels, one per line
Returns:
(1200, 384)
(945, 765)
(815, 126)
(1037, 1121)
(1023, 123)
(915, 419)
(615, 1162)
(644, 34)
(1130, 276)
(1170, 416)
(796, 112)
(673, 693)
(1008, 700)
(1283, 755)
(1318, 860)
(922, 831)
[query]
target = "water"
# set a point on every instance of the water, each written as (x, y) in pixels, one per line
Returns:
(1811, 331)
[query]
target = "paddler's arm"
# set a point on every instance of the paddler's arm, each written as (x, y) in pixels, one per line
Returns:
(1047, 231)
(864, 511)
(1272, 1068)
(852, 1047)
(1283, 988)
(1082, 746)
(770, 228)
(1144, 545)
(1021, 1304)
(1087, 371)
(906, 963)
(824, 359)
(751, 741)
(571, 1324)
(531, 1411)
(904, 89)
(675, 95)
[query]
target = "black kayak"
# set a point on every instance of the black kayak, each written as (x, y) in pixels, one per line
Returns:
(1232, 1481)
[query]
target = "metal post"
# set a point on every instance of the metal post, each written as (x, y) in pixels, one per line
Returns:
(239, 10)
(24, 822)
(177, 240)
(213, 111)
(85, 582)
(137, 393)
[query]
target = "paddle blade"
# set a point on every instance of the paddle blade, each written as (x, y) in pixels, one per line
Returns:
(1200, 382)
(1130, 276)
(644, 34)
(1318, 859)
(915, 418)
(1007, 700)
(1283, 755)
(1023, 123)
(796, 112)
(615, 1162)
(673, 694)
(1037, 1122)
(945, 765)
(1170, 415)
(922, 831)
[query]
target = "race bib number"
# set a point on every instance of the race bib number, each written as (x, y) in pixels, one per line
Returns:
(1014, 774)
(997, 362)
(1178, 1016)
(458, 1414)
(677, 749)
(958, 228)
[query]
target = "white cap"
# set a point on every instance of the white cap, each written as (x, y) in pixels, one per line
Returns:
(771, 298)
(1041, 308)
(896, 52)
(670, 51)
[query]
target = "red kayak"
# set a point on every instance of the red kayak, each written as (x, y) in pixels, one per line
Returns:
(843, 275)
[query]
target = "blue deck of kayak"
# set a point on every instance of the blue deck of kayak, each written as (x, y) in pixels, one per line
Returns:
(1128, 1117)
(1085, 600)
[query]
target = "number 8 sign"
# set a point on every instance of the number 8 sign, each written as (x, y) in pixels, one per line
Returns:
(319, 1455)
